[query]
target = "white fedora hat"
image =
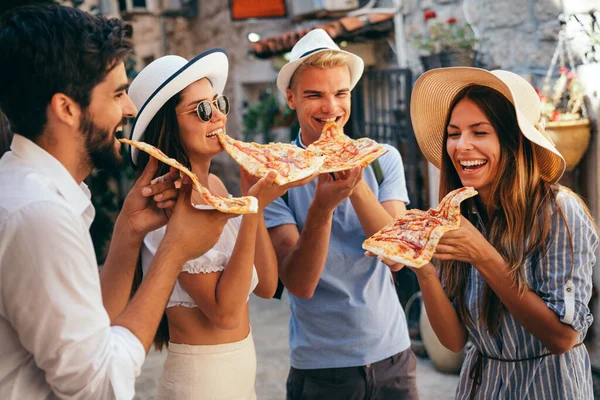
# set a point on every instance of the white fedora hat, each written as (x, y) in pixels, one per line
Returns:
(166, 76)
(316, 41)
(435, 90)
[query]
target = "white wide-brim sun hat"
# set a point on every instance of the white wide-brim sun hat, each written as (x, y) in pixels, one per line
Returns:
(316, 41)
(435, 90)
(165, 77)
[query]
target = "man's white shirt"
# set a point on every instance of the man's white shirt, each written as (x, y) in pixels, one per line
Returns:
(56, 337)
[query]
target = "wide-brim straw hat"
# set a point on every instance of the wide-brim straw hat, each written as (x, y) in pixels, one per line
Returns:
(435, 90)
(314, 42)
(165, 77)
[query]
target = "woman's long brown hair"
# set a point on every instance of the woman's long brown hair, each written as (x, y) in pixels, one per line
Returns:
(517, 221)
(163, 133)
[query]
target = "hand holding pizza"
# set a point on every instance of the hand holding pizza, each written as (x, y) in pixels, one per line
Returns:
(191, 231)
(266, 189)
(464, 244)
(330, 192)
(146, 204)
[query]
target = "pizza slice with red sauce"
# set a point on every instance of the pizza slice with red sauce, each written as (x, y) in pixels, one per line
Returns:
(411, 239)
(291, 162)
(343, 153)
(231, 205)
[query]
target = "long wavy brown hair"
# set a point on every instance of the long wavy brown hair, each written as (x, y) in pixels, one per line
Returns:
(517, 221)
(162, 132)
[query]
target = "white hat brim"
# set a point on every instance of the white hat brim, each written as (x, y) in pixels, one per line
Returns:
(212, 64)
(356, 66)
(432, 96)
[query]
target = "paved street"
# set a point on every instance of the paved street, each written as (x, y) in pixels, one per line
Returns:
(270, 329)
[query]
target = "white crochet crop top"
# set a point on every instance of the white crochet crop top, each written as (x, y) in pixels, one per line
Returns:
(214, 260)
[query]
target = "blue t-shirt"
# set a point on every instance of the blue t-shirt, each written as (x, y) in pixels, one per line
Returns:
(354, 317)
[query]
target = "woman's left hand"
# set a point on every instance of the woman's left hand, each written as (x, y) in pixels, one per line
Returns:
(265, 189)
(464, 244)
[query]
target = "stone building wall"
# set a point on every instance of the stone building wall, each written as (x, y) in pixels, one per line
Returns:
(518, 35)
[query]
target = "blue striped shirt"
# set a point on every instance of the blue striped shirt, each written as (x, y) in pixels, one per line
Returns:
(566, 376)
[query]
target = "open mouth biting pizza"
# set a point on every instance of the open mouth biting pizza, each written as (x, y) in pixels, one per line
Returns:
(411, 239)
(289, 161)
(231, 205)
(342, 153)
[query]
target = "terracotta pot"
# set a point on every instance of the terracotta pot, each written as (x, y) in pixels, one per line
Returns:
(571, 139)
(443, 359)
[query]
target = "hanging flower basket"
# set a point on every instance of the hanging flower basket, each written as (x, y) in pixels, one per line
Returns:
(563, 108)
(571, 139)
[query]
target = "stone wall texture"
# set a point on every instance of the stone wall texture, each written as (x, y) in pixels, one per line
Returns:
(518, 35)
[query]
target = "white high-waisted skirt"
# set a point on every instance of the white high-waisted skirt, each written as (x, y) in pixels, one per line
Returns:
(209, 372)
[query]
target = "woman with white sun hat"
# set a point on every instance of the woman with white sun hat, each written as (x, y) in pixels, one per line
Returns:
(516, 277)
(206, 327)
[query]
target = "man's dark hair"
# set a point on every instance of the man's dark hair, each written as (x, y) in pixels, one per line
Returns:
(54, 49)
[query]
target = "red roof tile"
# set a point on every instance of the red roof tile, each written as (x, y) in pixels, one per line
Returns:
(357, 28)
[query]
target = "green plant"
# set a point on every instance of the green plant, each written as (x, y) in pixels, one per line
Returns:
(436, 36)
(263, 116)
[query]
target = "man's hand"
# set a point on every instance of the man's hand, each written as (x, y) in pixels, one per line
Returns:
(330, 193)
(145, 205)
(193, 232)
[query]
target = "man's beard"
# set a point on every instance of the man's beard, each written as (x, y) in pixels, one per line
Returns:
(100, 145)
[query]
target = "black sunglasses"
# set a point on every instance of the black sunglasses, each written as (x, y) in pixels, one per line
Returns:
(205, 111)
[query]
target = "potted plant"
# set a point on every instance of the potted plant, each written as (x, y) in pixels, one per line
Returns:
(563, 112)
(443, 43)
(262, 117)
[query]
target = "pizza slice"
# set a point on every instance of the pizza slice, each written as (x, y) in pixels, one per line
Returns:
(449, 207)
(289, 161)
(412, 238)
(232, 205)
(342, 153)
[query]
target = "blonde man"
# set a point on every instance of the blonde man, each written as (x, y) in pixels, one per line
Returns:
(348, 335)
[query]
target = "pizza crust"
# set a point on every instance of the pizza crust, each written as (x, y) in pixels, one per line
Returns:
(411, 262)
(232, 205)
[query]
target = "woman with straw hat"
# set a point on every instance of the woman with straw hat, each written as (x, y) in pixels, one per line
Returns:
(206, 329)
(516, 278)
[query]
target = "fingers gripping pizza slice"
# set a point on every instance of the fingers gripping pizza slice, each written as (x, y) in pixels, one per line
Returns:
(412, 238)
(342, 153)
(232, 205)
(289, 161)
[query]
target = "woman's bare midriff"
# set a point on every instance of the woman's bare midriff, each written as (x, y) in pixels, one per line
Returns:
(191, 326)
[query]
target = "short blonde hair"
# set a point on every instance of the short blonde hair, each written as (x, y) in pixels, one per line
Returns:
(324, 60)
